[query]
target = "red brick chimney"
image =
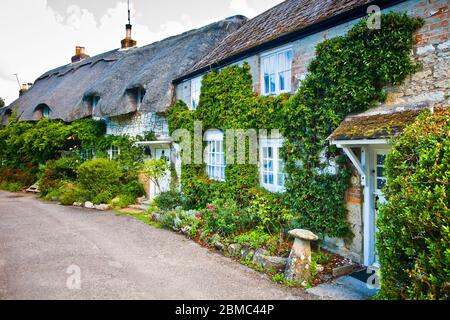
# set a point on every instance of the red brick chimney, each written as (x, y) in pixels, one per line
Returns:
(80, 54)
(128, 42)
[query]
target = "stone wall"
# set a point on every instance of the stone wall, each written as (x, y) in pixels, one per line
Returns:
(137, 124)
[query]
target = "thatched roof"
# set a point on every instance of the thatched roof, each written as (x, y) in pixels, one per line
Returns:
(65, 90)
(383, 122)
(275, 24)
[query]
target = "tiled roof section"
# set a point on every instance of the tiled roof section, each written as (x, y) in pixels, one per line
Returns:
(287, 17)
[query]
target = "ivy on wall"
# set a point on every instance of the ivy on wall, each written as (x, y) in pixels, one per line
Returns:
(348, 75)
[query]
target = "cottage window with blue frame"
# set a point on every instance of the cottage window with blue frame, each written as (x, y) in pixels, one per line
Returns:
(215, 155)
(45, 112)
(114, 152)
(277, 72)
(196, 86)
(272, 165)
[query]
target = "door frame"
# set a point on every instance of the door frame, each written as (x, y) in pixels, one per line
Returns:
(369, 214)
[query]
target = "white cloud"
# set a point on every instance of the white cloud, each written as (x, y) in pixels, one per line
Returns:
(39, 39)
(242, 7)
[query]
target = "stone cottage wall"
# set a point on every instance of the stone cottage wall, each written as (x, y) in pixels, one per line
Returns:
(137, 124)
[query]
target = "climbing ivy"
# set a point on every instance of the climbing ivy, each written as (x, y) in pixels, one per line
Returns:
(348, 74)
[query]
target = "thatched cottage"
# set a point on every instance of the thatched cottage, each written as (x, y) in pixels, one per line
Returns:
(132, 87)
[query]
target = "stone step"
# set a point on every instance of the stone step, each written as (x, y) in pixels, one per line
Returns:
(345, 288)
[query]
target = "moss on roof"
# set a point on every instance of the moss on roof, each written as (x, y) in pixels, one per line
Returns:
(380, 126)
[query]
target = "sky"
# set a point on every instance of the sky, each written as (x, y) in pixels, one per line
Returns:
(40, 35)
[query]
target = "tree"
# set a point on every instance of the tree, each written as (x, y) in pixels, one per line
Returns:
(2, 102)
(156, 170)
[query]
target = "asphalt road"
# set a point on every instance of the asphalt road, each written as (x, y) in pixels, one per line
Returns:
(112, 257)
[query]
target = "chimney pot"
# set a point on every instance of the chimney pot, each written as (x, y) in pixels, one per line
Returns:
(128, 42)
(80, 54)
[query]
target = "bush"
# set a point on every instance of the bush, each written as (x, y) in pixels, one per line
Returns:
(268, 211)
(257, 239)
(103, 197)
(414, 226)
(123, 201)
(134, 189)
(99, 175)
(25, 175)
(225, 217)
(68, 194)
(11, 186)
(169, 200)
(55, 172)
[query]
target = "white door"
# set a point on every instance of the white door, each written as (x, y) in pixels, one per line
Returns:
(163, 153)
(380, 181)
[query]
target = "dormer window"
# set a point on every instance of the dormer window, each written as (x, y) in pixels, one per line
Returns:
(45, 112)
(137, 96)
(42, 112)
(93, 100)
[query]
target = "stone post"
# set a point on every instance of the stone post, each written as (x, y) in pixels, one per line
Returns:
(298, 265)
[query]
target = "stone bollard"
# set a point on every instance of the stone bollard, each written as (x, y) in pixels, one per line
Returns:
(298, 265)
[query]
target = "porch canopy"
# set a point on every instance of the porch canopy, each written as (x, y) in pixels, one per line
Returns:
(374, 127)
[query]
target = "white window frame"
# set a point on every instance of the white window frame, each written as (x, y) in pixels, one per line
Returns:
(113, 152)
(277, 162)
(196, 88)
(287, 71)
(215, 155)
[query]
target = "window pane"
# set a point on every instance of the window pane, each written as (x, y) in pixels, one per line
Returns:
(381, 183)
(381, 159)
(380, 171)
(282, 82)
(280, 179)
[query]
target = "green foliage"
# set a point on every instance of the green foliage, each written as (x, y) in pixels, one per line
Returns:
(122, 201)
(11, 186)
(68, 194)
(103, 197)
(100, 175)
(24, 176)
(414, 226)
(280, 278)
(36, 143)
(169, 200)
(269, 211)
(225, 218)
(2, 102)
(257, 239)
(337, 85)
(156, 170)
(55, 172)
(133, 189)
